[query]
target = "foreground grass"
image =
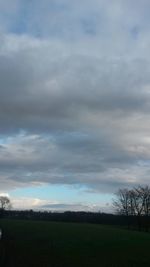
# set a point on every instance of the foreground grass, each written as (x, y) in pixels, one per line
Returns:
(47, 244)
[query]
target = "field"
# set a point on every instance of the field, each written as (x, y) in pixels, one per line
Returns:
(49, 244)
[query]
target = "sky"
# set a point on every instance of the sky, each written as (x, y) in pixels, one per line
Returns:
(74, 101)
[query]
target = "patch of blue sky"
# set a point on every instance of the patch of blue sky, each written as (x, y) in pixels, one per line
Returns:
(3, 139)
(19, 24)
(32, 14)
(25, 20)
(89, 26)
(62, 193)
(44, 192)
(135, 32)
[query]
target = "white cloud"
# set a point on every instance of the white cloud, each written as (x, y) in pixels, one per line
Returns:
(4, 194)
(27, 203)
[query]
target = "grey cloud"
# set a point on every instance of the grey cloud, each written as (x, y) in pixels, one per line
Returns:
(79, 89)
(56, 94)
(32, 160)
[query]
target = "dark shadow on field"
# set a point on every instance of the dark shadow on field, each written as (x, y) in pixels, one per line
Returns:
(12, 256)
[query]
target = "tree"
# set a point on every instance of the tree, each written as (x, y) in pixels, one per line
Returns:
(145, 195)
(121, 201)
(4, 203)
(134, 202)
(143, 209)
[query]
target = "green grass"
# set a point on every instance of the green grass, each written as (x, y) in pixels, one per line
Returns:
(47, 244)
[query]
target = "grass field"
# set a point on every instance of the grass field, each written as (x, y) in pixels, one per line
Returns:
(47, 244)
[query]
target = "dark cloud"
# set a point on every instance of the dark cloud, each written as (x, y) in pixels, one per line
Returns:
(57, 94)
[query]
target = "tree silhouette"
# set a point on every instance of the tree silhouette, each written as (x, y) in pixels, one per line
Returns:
(4, 203)
(134, 202)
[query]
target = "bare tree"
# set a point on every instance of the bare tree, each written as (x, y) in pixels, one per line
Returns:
(134, 202)
(145, 195)
(121, 201)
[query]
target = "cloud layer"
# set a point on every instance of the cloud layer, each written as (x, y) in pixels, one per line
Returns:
(74, 94)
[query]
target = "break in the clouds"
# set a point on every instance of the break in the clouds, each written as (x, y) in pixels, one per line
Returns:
(74, 94)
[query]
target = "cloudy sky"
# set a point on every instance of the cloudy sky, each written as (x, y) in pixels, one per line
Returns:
(74, 101)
